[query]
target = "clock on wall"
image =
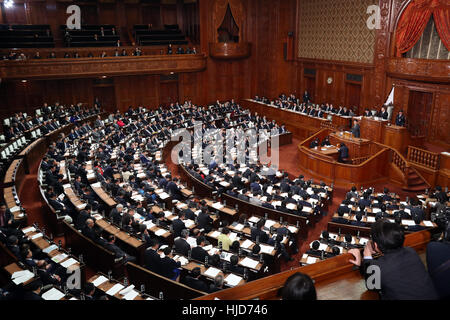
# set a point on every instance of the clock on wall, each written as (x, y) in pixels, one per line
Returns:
(330, 80)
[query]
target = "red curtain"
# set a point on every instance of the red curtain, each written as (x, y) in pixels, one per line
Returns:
(415, 18)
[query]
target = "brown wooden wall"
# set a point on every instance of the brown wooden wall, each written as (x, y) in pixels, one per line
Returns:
(266, 72)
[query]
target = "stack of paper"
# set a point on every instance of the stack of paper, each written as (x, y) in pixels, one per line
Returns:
(160, 232)
(163, 195)
(19, 277)
(254, 219)
(215, 234)
(68, 262)
(37, 235)
(50, 248)
(249, 263)
(292, 229)
(246, 244)
(217, 205)
(266, 249)
(28, 230)
(60, 257)
(131, 295)
(269, 223)
(100, 280)
(232, 280)
(212, 272)
(311, 260)
(239, 227)
(53, 294)
(116, 288)
(428, 223)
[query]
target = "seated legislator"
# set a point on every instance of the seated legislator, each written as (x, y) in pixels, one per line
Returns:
(402, 275)
(356, 130)
(343, 153)
(383, 114)
(326, 142)
(400, 119)
(299, 286)
(314, 143)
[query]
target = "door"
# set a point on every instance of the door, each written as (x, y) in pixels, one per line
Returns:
(310, 85)
(169, 92)
(353, 96)
(419, 113)
(107, 97)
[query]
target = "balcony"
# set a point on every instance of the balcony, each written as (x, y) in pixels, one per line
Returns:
(230, 50)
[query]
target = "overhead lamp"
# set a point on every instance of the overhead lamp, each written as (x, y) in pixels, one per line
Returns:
(8, 3)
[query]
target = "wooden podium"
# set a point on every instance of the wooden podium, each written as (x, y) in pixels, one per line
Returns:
(396, 137)
(372, 129)
(357, 148)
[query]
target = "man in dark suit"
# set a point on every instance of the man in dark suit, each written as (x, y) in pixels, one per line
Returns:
(204, 221)
(383, 114)
(119, 253)
(89, 232)
(152, 260)
(343, 153)
(169, 267)
(259, 233)
(181, 245)
(401, 274)
(340, 219)
(194, 282)
(174, 190)
(198, 253)
(116, 214)
(400, 119)
(178, 224)
(355, 130)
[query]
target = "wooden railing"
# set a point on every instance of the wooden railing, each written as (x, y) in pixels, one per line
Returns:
(423, 157)
(400, 162)
(337, 269)
(358, 161)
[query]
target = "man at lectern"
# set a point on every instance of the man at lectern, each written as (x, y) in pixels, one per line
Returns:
(400, 119)
(355, 129)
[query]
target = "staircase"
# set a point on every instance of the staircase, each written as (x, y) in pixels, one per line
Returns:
(414, 182)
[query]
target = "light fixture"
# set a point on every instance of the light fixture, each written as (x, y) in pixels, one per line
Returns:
(24, 81)
(103, 77)
(172, 72)
(8, 3)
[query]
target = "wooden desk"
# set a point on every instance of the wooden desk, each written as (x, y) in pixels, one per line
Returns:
(396, 137)
(357, 148)
(372, 129)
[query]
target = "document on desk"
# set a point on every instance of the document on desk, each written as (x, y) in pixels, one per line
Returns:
(254, 219)
(37, 235)
(291, 206)
(53, 294)
(68, 262)
(192, 242)
(269, 223)
(96, 185)
(189, 223)
(233, 280)
(19, 277)
(217, 205)
(167, 213)
(363, 241)
(116, 288)
(232, 235)
(428, 223)
(183, 261)
(370, 219)
(14, 209)
(50, 248)
(100, 280)
(28, 230)
(212, 272)
(311, 260)
(131, 295)
(149, 224)
(246, 244)
(163, 195)
(238, 227)
(292, 229)
(82, 206)
(376, 210)
(126, 290)
(60, 257)
(408, 222)
(214, 234)
(249, 263)
(160, 232)
(266, 249)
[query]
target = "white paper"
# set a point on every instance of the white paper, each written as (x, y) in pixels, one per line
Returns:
(212, 272)
(100, 280)
(428, 223)
(116, 288)
(126, 290)
(163, 195)
(50, 248)
(217, 205)
(363, 241)
(131, 295)
(370, 219)
(68, 262)
(28, 230)
(250, 263)
(311, 260)
(269, 223)
(215, 234)
(407, 222)
(160, 232)
(291, 206)
(60, 257)
(232, 280)
(14, 209)
(53, 294)
(239, 227)
(22, 276)
(266, 249)
(37, 235)
(246, 244)
(254, 219)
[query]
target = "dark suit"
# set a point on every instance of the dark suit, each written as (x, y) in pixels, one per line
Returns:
(195, 284)
(199, 254)
(356, 131)
(167, 267)
(182, 246)
(263, 237)
(403, 276)
(152, 260)
(178, 225)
